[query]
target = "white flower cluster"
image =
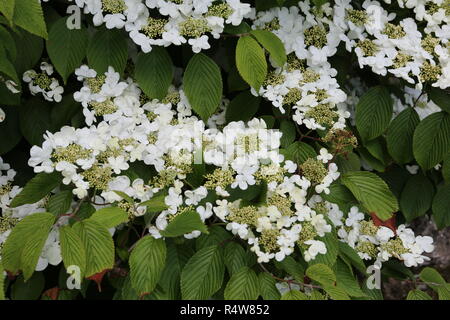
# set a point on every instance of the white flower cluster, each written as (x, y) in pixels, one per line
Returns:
(400, 48)
(42, 83)
(305, 85)
(165, 136)
(165, 22)
(51, 253)
(379, 243)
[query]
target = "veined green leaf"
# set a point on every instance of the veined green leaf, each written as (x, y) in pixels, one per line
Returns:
(147, 262)
(24, 245)
(203, 274)
(37, 188)
(243, 285)
(203, 85)
(154, 72)
(372, 192)
(251, 61)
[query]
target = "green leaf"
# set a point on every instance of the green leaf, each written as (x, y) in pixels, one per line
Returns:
(243, 285)
(7, 8)
(110, 217)
(287, 127)
(299, 152)
(203, 274)
(147, 262)
(24, 245)
(293, 268)
(108, 48)
(216, 235)
(35, 120)
(29, 16)
(336, 293)
(10, 134)
(348, 162)
(445, 168)
(340, 195)
(294, 295)
(372, 192)
(177, 257)
(373, 113)
(329, 258)
(235, 257)
(202, 83)
(416, 197)
(441, 98)
(267, 287)
(185, 222)
(72, 249)
(418, 295)
(431, 139)
(29, 289)
(321, 273)
(348, 254)
(156, 203)
(436, 282)
(29, 50)
(243, 107)
(2, 282)
(98, 245)
(37, 188)
(66, 48)
(154, 72)
(272, 44)
(441, 207)
(251, 61)
(8, 43)
(60, 202)
(347, 281)
(6, 65)
(399, 136)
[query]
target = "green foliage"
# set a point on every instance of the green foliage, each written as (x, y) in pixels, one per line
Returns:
(372, 192)
(59, 203)
(154, 72)
(72, 249)
(431, 139)
(109, 48)
(322, 274)
(441, 207)
(184, 223)
(272, 44)
(25, 14)
(267, 287)
(202, 275)
(416, 196)
(23, 247)
(243, 285)
(373, 113)
(251, 61)
(37, 188)
(97, 244)
(66, 47)
(147, 262)
(235, 112)
(110, 217)
(400, 135)
(203, 85)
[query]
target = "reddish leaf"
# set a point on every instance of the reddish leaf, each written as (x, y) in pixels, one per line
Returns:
(52, 293)
(98, 277)
(389, 223)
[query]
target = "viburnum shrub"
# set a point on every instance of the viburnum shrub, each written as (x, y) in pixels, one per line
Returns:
(234, 149)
